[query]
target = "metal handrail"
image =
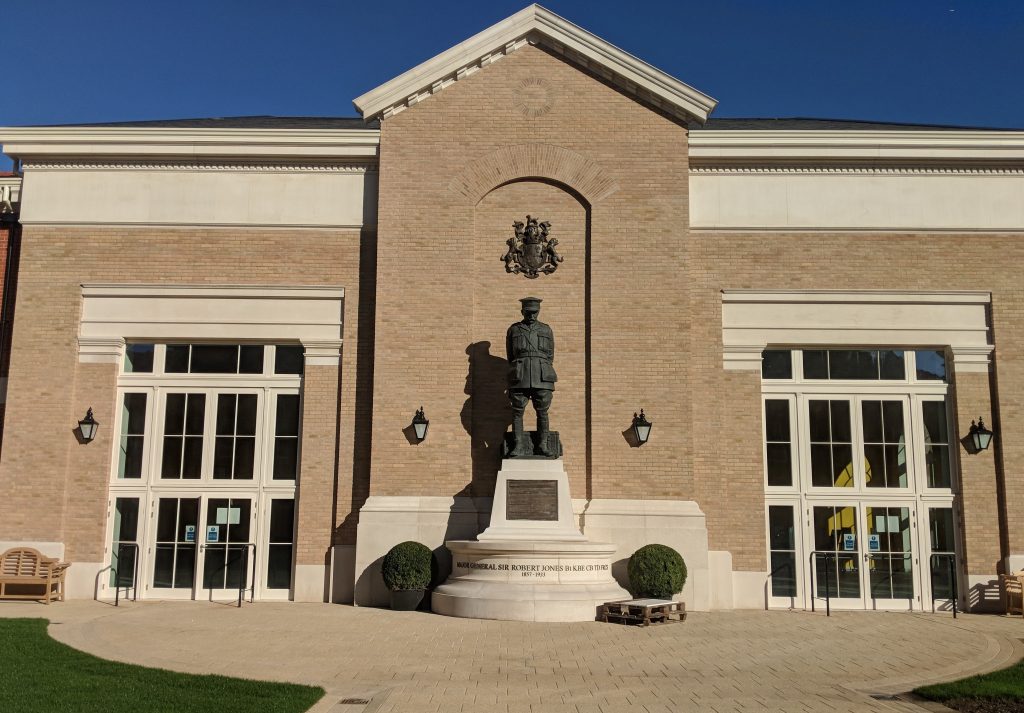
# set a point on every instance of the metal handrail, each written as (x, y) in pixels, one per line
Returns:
(116, 572)
(810, 565)
(245, 566)
(951, 556)
(135, 573)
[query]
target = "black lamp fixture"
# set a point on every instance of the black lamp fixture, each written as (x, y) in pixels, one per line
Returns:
(420, 424)
(641, 427)
(88, 426)
(980, 436)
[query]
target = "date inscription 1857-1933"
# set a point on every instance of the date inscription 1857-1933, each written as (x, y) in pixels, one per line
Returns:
(531, 252)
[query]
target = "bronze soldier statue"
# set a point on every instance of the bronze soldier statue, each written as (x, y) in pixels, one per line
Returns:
(530, 347)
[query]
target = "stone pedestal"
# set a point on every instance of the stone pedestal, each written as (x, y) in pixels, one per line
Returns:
(531, 502)
(532, 563)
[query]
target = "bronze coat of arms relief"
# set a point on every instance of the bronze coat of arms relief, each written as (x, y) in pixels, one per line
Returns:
(531, 251)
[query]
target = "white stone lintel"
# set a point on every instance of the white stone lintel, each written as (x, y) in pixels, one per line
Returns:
(112, 313)
(754, 319)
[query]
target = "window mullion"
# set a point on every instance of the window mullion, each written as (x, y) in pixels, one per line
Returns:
(209, 430)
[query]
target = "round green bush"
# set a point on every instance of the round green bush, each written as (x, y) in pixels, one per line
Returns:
(407, 566)
(656, 571)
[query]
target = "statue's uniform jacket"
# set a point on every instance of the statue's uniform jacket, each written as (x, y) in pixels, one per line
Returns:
(530, 349)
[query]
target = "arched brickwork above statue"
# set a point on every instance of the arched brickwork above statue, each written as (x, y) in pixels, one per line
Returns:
(544, 161)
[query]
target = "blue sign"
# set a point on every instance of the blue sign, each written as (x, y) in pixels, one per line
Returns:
(849, 542)
(212, 533)
(190, 533)
(874, 545)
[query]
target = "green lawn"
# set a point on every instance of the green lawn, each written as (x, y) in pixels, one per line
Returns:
(40, 675)
(1004, 687)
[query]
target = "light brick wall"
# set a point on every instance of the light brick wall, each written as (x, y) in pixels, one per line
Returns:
(315, 496)
(983, 527)
(442, 287)
(52, 488)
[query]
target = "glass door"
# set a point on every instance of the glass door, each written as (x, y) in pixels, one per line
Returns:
(785, 582)
(202, 547)
(836, 559)
(889, 557)
(865, 555)
(175, 544)
(277, 549)
(228, 549)
(942, 563)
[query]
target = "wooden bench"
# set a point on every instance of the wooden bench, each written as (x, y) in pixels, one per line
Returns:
(642, 612)
(1013, 592)
(24, 567)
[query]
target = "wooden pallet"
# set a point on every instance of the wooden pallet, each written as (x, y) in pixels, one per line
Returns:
(642, 612)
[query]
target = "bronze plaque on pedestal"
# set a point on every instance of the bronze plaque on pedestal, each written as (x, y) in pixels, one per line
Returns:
(531, 500)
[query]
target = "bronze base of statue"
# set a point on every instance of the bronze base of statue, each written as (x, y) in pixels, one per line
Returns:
(533, 446)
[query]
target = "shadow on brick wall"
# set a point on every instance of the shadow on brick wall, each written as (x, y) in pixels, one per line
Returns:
(486, 415)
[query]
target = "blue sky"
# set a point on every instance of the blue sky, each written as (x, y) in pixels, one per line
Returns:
(930, 61)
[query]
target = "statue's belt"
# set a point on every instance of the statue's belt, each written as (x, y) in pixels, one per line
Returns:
(532, 355)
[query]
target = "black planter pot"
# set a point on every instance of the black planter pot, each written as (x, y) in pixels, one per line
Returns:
(406, 599)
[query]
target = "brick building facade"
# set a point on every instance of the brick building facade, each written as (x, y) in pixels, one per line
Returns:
(809, 312)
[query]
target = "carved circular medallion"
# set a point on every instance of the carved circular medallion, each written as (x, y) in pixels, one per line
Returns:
(533, 97)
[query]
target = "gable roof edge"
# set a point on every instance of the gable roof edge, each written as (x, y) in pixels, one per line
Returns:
(537, 25)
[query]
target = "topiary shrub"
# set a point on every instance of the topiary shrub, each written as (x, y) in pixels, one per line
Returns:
(656, 571)
(407, 566)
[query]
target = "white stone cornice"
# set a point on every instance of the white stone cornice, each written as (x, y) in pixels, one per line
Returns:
(291, 292)
(714, 147)
(100, 350)
(824, 296)
(976, 359)
(537, 25)
(322, 352)
(190, 143)
(234, 166)
(855, 170)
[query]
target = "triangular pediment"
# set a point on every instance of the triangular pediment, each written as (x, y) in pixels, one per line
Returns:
(539, 26)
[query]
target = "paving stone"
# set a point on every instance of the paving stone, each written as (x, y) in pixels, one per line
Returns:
(723, 662)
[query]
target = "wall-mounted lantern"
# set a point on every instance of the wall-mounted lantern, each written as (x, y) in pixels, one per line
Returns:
(641, 427)
(88, 426)
(420, 424)
(980, 436)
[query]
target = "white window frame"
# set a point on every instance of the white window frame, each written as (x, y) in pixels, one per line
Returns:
(262, 488)
(804, 497)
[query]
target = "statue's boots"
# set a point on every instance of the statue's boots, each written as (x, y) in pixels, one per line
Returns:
(521, 445)
(543, 435)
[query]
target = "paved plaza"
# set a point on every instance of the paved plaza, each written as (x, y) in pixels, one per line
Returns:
(414, 661)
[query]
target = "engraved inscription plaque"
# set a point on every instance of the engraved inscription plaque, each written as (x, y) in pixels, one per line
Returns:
(531, 500)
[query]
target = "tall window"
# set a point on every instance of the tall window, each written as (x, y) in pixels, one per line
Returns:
(205, 467)
(201, 412)
(860, 475)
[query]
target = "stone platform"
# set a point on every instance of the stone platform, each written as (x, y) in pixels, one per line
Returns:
(528, 581)
(532, 563)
